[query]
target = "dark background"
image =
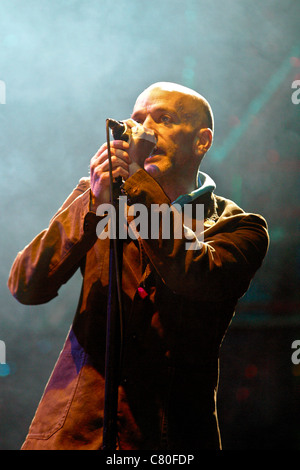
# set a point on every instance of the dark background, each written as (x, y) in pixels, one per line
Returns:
(67, 66)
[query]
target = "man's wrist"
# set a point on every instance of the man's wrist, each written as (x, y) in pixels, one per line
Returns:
(133, 168)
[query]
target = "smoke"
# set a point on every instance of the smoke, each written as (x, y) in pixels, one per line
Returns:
(67, 65)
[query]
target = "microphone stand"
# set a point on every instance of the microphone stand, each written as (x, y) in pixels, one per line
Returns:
(114, 317)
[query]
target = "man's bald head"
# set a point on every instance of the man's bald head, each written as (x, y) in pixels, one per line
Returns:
(182, 122)
(194, 105)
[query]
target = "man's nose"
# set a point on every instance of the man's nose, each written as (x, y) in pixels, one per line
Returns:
(149, 123)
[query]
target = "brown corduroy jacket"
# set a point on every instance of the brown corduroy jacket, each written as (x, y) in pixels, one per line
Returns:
(177, 305)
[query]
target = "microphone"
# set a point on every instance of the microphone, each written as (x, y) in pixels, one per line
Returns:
(119, 129)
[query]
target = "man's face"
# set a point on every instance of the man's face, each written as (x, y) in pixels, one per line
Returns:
(170, 114)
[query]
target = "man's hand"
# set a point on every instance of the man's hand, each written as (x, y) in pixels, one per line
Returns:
(99, 170)
(126, 159)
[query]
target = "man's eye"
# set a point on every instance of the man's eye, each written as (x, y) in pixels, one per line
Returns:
(165, 119)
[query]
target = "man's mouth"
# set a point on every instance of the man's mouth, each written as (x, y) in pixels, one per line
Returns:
(155, 151)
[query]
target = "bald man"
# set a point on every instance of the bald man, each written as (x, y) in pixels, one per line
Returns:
(177, 302)
(183, 123)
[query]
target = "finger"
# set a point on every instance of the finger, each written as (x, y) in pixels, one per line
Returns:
(118, 144)
(98, 170)
(115, 163)
(115, 154)
(131, 123)
(119, 171)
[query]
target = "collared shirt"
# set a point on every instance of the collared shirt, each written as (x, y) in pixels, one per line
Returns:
(205, 184)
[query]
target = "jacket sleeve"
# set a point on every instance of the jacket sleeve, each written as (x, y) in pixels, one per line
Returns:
(55, 254)
(227, 259)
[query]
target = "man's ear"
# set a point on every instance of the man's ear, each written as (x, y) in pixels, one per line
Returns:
(203, 141)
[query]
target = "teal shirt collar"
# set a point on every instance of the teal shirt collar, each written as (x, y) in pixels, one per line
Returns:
(205, 184)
